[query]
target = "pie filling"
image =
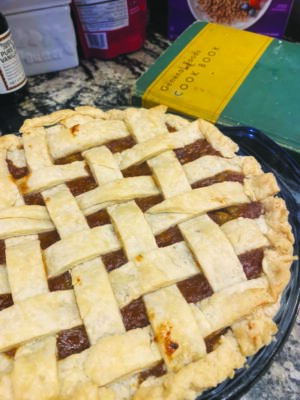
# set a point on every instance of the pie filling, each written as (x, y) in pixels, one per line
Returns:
(33, 199)
(81, 185)
(16, 172)
(6, 301)
(194, 283)
(195, 150)
(71, 341)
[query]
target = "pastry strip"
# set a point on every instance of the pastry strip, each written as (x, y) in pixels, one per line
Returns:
(260, 187)
(208, 166)
(103, 165)
(151, 271)
(79, 247)
(118, 191)
(72, 375)
(36, 149)
(10, 196)
(126, 218)
(219, 142)
(4, 285)
(76, 119)
(115, 356)
(222, 268)
(146, 124)
(6, 389)
(30, 212)
(244, 234)
(23, 226)
(230, 304)
(175, 121)
(175, 328)
(36, 356)
(96, 301)
(204, 199)
(169, 174)
(26, 272)
(45, 120)
(159, 144)
(47, 177)
(63, 141)
(37, 316)
(198, 376)
(64, 211)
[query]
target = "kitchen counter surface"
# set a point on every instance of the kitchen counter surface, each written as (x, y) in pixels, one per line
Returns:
(108, 84)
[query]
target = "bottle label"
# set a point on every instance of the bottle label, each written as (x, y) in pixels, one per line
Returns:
(12, 75)
(97, 18)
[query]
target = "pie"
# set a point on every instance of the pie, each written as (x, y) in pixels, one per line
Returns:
(141, 257)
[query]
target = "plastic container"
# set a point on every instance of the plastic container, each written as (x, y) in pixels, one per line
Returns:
(44, 34)
(109, 28)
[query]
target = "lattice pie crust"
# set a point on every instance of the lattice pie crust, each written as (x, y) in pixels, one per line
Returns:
(140, 256)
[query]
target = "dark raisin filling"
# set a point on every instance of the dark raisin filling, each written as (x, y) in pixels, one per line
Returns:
(114, 260)
(47, 239)
(247, 210)
(147, 202)
(222, 177)
(118, 145)
(16, 172)
(212, 340)
(168, 237)
(157, 371)
(60, 282)
(34, 199)
(194, 151)
(69, 159)
(81, 185)
(71, 341)
(6, 301)
(137, 170)
(135, 315)
(252, 263)
(170, 128)
(98, 218)
(195, 289)
(2, 252)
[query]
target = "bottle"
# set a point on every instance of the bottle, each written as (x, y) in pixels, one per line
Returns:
(13, 81)
(109, 28)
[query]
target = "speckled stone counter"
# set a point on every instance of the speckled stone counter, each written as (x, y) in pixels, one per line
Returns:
(108, 84)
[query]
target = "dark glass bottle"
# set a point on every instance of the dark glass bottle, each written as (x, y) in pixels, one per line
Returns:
(13, 81)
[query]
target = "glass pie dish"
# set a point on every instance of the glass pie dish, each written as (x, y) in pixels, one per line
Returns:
(251, 142)
(275, 159)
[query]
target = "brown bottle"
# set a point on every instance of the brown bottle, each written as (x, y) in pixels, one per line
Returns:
(13, 81)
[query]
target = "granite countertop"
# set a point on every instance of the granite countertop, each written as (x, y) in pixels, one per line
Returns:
(108, 84)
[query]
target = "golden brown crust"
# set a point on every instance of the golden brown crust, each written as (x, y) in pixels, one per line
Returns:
(45, 120)
(222, 143)
(9, 142)
(254, 332)
(196, 377)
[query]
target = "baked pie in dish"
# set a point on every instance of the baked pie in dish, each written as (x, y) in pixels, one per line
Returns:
(140, 256)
